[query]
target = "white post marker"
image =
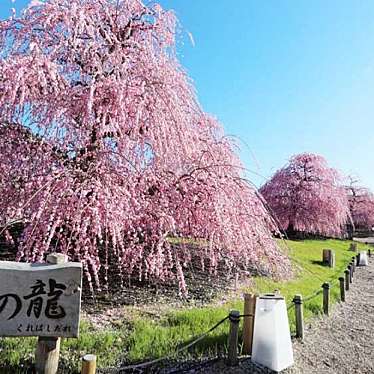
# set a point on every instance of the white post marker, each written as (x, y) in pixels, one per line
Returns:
(363, 259)
(272, 346)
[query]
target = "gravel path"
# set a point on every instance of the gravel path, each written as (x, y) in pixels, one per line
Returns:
(342, 343)
(365, 240)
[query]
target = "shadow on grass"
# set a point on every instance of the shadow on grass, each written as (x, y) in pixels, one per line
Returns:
(208, 350)
(16, 370)
(29, 368)
(318, 262)
(213, 345)
(13, 369)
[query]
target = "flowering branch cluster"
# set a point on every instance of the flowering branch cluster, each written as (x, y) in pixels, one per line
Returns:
(307, 196)
(361, 205)
(105, 151)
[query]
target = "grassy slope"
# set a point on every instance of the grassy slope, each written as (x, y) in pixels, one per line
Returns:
(310, 274)
(148, 338)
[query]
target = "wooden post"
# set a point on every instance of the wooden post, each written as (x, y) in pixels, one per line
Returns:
(248, 323)
(369, 252)
(354, 263)
(332, 260)
(350, 273)
(88, 364)
(346, 273)
(298, 301)
(342, 289)
(326, 297)
(326, 253)
(357, 260)
(47, 355)
(233, 338)
(48, 348)
(328, 257)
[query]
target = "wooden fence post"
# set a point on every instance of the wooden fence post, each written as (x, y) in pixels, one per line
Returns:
(88, 364)
(354, 263)
(248, 322)
(350, 273)
(233, 337)
(353, 269)
(342, 289)
(326, 297)
(298, 301)
(48, 348)
(346, 273)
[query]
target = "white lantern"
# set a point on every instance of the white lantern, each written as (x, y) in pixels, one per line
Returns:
(272, 346)
(363, 260)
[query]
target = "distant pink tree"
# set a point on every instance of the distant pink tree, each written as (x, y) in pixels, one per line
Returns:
(361, 205)
(306, 196)
(107, 153)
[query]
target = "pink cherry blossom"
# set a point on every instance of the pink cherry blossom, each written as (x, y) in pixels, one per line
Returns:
(361, 204)
(307, 196)
(106, 154)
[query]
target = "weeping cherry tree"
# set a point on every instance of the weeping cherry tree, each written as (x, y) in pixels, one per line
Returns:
(307, 196)
(106, 154)
(361, 205)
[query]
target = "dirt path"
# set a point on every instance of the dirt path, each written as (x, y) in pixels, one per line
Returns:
(342, 343)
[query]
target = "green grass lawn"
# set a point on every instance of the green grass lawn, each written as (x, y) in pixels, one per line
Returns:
(311, 274)
(145, 338)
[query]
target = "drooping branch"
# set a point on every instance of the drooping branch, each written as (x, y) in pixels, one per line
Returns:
(125, 158)
(307, 196)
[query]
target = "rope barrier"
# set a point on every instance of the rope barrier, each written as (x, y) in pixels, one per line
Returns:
(179, 350)
(246, 315)
(332, 281)
(308, 270)
(312, 296)
(202, 336)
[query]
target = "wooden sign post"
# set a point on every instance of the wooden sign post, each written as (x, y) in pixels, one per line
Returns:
(248, 322)
(328, 258)
(88, 364)
(41, 300)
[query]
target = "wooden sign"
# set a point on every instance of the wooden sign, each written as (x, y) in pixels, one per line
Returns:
(40, 299)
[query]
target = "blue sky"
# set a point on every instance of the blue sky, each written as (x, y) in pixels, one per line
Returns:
(284, 76)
